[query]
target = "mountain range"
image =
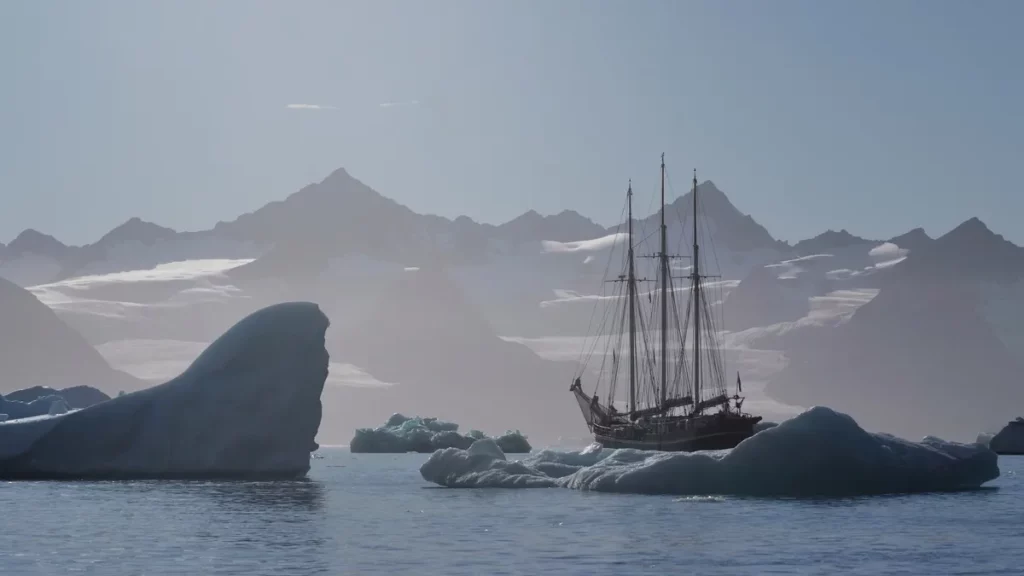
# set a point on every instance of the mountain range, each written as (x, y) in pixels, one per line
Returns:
(912, 334)
(341, 216)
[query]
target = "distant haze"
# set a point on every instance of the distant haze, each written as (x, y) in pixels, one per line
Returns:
(875, 117)
(486, 325)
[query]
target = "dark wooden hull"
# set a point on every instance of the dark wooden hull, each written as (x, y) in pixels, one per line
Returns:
(680, 435)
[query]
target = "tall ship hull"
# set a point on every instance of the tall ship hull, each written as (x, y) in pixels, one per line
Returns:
(720, 430)
(676, 400)
(707, 434)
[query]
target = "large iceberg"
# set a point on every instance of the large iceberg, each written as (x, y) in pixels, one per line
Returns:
(1009, 440)
(249, 406)
(818, 453)
(402, 434)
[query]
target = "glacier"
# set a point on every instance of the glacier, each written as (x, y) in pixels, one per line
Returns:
(820, 452)
(248, 406)
(402, 434)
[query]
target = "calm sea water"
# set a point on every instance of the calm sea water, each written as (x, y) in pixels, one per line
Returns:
(373, 514)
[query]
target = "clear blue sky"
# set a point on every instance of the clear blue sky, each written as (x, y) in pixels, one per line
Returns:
(873, 116)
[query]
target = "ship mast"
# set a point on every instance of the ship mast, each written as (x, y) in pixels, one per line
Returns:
(664, 292)
(695, 277)
(631, 287)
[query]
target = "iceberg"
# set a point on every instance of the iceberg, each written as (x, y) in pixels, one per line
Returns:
(817, 453)
(48, 404)
(75, 396)
(1010, 440)
(40, 400)
(402, 434)
(248, 406)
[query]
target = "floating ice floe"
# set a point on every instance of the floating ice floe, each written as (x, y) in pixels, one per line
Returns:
(249, 406)
(818, 453)
(402, 434)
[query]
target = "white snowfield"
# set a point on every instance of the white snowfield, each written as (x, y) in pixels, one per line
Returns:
(249, 406)
(594, 245)
(818, 453)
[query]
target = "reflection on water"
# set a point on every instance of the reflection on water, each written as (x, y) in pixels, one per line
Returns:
(156, 527)
(295, 495)
(374, 514)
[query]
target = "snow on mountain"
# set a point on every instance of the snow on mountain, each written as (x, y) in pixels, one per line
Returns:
(936, 351)
(192, 300)
(593, 245)
(824, 313)
(34, 258)
(137, 244)
(778, 292)
(732, 243)
(249, 406)
(507, 270)
(535, 278)
(916, 239)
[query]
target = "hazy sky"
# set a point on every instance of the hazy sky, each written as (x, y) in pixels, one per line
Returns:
(869, 115)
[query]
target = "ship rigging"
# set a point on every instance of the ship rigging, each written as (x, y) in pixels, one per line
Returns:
(677, 398)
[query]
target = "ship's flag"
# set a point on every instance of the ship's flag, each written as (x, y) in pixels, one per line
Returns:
(739, 384)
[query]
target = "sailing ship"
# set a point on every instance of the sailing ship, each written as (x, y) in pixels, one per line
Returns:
(677, 398)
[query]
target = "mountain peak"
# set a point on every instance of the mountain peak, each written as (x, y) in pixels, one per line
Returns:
(713, 201)
(338, 175)
(973, 251)
(566, 226)
(738, 231)
(529, 215)
(708, 185)
(972, 225)
(975, 235)
(829, 240)
(913, 240)
(35, 242)
(137, 229)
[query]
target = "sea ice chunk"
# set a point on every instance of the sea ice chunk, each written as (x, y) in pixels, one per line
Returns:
(402, 434)
(819, 452)
(483, 464)
(75, 396)
(248, 406)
